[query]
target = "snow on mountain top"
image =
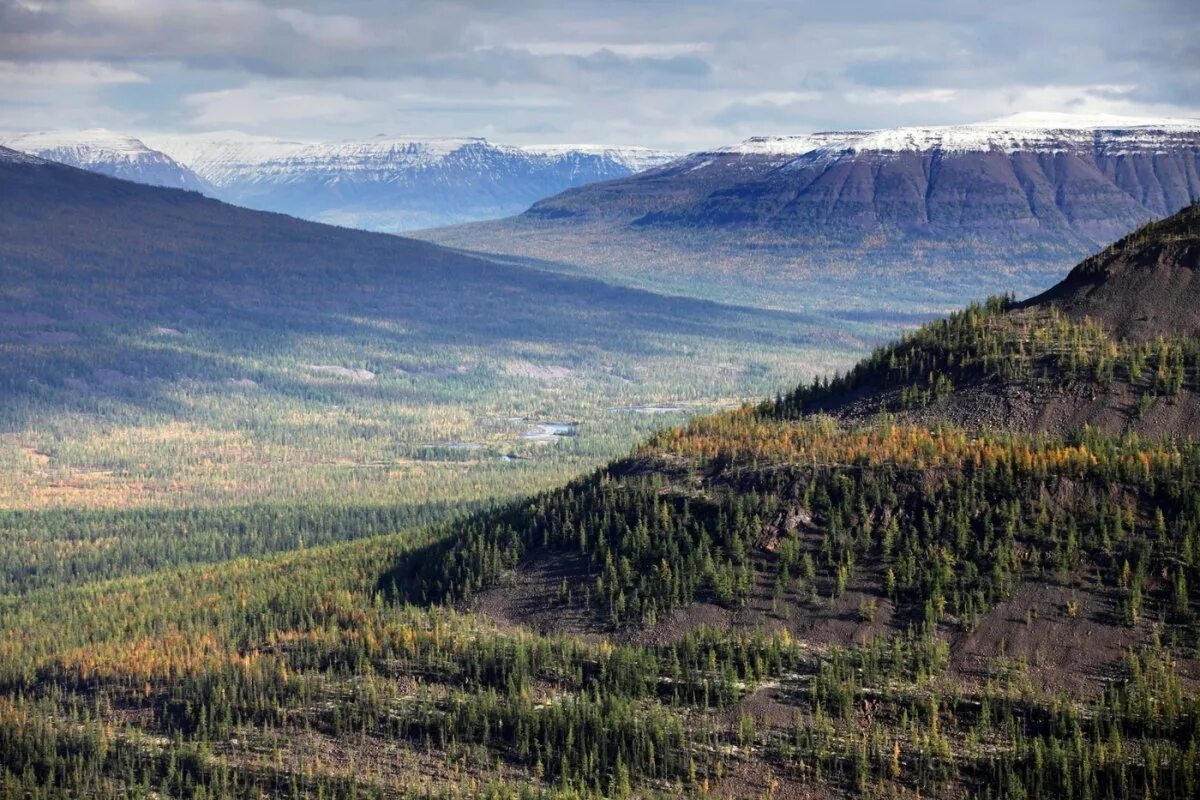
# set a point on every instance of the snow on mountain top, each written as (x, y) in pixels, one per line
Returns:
(1035, 131)
(787, 145)
(225, 157)
(108, 153)
(635, 159)
(590, 149)
(203, 150)
(420, 148)
(96, 139)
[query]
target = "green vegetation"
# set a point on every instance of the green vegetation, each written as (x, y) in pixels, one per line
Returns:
(309, 674)
(991, 343)
(761, 602)
(287, 384)
(712, 510)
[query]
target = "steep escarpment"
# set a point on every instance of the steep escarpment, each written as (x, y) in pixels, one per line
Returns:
(1004, 206)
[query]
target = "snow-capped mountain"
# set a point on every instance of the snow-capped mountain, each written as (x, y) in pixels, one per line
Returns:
(633, 159)
(396, 183)
(1036, 191)
(109, 153)
(1088, 177)
(385, 183)
(1033, 132)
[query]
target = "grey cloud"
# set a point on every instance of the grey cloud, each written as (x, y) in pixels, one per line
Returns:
(678, 73)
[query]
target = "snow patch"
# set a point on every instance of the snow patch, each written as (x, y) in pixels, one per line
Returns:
(1029, 131)
(229, 158)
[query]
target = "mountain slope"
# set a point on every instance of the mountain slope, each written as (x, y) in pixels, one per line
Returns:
(396, 183)
(840, 529)
(772, 606)
(1060, 573)
(181, 241)
(1004, 205)
(170, 362)
(1115, 345)
(108, 153)
(1141, 288)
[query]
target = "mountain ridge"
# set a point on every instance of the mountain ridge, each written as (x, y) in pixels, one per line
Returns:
(390, 183)
(384, 183)
(849, 213)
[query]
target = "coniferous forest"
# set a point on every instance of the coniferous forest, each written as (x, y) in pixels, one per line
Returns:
(841, 592)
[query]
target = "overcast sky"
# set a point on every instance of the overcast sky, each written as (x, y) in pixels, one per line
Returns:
(673, 74)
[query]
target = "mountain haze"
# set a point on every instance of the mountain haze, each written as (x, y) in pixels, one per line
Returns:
(993, 207)
(152, 336)
(75, 243)
(396, 183)
(387, 184)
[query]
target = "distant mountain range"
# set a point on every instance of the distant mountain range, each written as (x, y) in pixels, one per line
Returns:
(383, 184)
(1026, 195)
(109, 153)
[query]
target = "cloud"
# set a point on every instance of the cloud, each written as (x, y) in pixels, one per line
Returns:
(894, 97)
(674, 73)
(14, 75)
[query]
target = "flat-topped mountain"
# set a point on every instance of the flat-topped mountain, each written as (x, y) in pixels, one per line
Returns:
(1008, 203)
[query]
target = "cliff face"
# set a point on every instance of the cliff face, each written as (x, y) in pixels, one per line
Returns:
(977, 209)
(1070, 188)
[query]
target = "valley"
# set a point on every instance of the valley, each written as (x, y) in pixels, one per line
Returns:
(294, 384)
(851, 464)
(385, 183)
(909, 577)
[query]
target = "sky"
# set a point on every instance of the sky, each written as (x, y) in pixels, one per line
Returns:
(680, 75)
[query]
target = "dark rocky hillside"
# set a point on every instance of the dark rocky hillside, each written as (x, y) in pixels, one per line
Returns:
(1115, 346)
(1145, 286)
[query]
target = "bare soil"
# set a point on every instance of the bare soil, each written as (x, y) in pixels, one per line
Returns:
(1066, 638)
